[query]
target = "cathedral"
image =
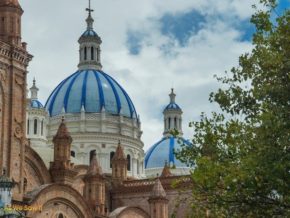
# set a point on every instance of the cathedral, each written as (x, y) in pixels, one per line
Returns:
(80, 155)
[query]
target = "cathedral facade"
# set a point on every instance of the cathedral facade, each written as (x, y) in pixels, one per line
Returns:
(81, 153)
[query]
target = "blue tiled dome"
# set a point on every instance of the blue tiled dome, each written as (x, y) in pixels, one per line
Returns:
(92, 89)
(36, 104)
(89, 33)
(172, 106)
(163, 151)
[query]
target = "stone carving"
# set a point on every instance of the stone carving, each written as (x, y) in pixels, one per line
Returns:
(19, 81)
(18, 131)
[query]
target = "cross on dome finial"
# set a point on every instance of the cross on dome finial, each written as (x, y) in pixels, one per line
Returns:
(89, 8)
(90, 20)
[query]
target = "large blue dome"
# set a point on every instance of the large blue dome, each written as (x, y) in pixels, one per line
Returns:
(93, 90)
(163, 151)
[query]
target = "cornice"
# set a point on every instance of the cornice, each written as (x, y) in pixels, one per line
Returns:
(15, 53)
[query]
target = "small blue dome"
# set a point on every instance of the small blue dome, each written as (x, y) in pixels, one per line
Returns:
(36, 104)
(89, 33)
(93, 90)
(171, 106)
(163, 151)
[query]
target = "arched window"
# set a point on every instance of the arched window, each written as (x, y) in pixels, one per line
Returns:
(60, 215)
(85, 53)
(92, 152)
(28, 127)
(169, 122)
(73, 153)
(128, 162)
(35, 127)
(42, 127)
(92, 53)
(111, 157)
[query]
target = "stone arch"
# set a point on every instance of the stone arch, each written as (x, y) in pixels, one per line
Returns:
(34, 169)
(78, 183)
(58, 198)
(129, 212)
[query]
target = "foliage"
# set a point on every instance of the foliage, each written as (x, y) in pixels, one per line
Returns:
(242, 154)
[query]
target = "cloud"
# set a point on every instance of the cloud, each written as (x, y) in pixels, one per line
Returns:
(134, 41)
(182, 25)
(148, 47)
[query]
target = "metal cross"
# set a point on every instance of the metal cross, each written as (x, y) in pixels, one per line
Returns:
(89, 9)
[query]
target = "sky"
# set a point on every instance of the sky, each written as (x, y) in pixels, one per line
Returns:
(149, 47)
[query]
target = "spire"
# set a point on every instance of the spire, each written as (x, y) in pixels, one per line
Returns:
(172, 96)
(34, 90)
(94, 168)
(95, 187)
(158, 190)
(62, 132)
(158, 201)
(61, 168)
(119, 166)
(119, 154)
(90, 52)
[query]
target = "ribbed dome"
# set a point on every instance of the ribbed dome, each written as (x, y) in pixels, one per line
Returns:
(163, 151)
(36, 104)
(171, 106)
(91, 90)
(89, 33)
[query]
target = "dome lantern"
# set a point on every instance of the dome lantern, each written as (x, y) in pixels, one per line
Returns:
(34, 90)
(90, 52)
(172, 117)
(34, 102)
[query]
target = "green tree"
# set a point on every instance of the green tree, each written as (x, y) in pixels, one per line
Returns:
(242, 154)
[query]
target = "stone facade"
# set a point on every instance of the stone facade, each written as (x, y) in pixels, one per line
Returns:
(14, 60)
